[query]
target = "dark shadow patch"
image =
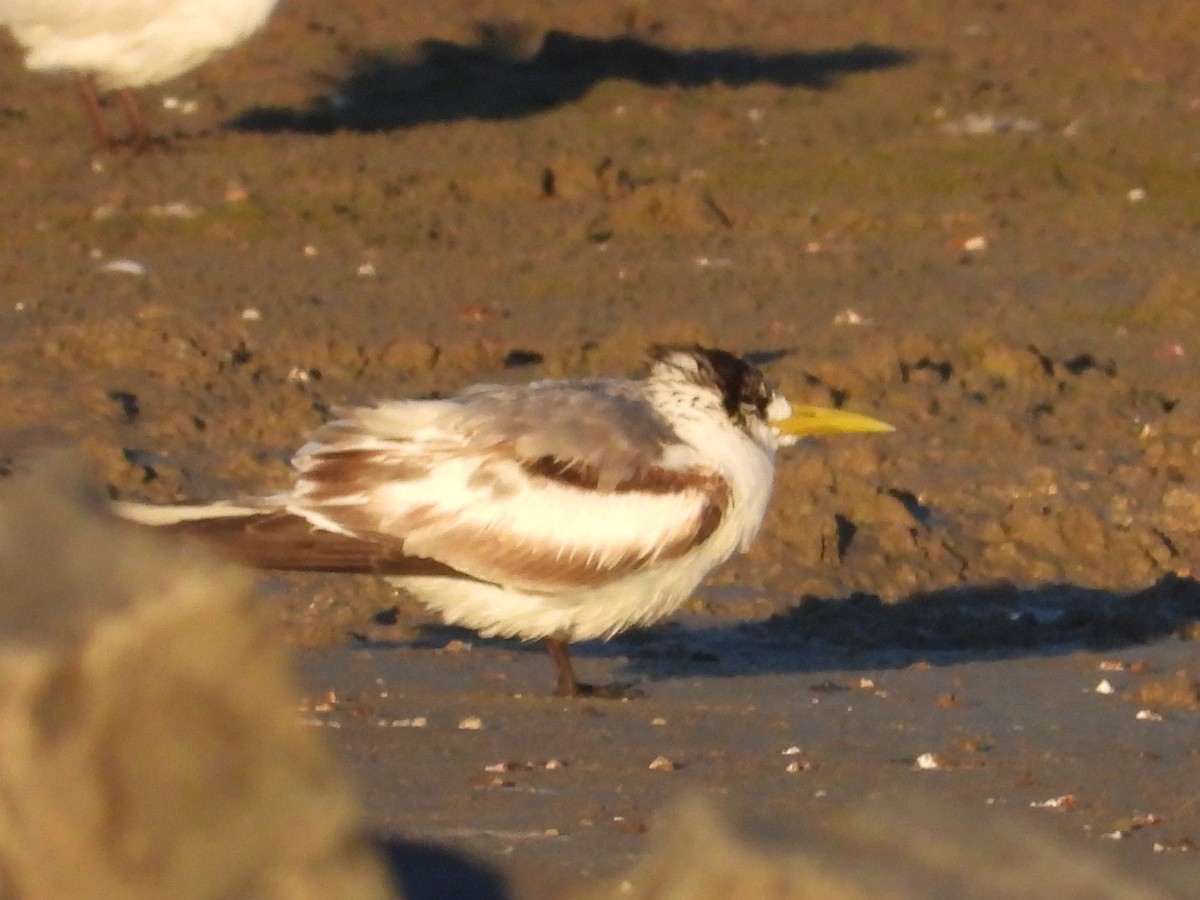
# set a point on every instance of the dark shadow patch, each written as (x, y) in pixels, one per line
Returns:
(518, 359)
(950, 626)
(766, 357)
(941, 628)
(846, 530)
(128, 402)
(424, 871)
(920, 512)
(447, 82)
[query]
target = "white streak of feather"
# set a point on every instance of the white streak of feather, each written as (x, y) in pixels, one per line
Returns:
(147, 514)
(578, 517)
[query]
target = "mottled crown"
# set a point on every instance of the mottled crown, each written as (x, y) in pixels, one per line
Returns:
(743, 388)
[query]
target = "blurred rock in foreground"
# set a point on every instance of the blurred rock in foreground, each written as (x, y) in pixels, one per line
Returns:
(885, 850)
(149, 740)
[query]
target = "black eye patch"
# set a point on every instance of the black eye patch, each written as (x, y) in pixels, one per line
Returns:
(740, 384)
(755, 392)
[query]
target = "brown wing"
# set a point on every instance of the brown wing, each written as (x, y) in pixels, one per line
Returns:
(541, 489)
(537, 525)
(282, 541)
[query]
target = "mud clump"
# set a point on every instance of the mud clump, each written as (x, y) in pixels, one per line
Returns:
(146, 713)
(883, 849)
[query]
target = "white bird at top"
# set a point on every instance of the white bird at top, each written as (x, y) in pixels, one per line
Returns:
(120, 45)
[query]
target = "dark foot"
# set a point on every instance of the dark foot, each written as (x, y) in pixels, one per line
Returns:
(139, 144)
(614, 691)
(570, 686)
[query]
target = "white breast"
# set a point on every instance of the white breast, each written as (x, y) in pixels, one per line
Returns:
(640, 598)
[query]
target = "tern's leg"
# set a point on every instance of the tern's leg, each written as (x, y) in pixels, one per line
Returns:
(139, 134)
(570, 686)
(86, 86)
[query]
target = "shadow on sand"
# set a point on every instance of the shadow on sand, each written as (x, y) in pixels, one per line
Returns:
(944, 627)
(493, 80)
(424, 871)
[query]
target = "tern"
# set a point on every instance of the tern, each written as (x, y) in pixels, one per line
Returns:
(561, 510)
(120, 45)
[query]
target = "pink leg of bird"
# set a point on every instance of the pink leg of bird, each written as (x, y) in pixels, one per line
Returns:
(86, 85)
(139, 135)
(570, 686)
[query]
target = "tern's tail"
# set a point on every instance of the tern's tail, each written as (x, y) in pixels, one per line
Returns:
(183, 515)
(268, 537)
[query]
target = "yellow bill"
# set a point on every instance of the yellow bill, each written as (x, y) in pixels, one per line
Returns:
(810, 420)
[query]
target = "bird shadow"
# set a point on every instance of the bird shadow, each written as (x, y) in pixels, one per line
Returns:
(419, 870)
(943, 627)
(492, 79)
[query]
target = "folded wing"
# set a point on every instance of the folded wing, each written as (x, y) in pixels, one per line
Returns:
(518, 515)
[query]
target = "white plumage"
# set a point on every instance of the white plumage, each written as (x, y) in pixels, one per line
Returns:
(127, 44)
(560, 510)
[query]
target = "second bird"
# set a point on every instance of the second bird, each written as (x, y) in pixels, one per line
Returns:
(119, 45)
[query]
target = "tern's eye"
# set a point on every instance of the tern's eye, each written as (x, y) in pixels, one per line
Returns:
(755, 394)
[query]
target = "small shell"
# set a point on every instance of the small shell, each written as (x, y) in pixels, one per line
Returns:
(124, 267)
(928, 761)
(1066, 801)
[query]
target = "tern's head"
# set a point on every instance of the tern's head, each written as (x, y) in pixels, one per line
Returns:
(745, 394)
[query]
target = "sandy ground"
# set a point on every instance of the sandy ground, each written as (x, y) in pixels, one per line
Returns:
(976, 220)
